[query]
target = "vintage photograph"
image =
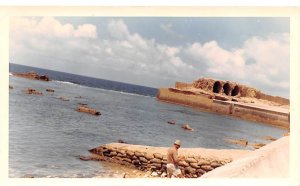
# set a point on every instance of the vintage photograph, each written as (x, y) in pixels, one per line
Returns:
(149, 97)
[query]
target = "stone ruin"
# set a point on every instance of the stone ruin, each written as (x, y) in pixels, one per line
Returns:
(233, 89)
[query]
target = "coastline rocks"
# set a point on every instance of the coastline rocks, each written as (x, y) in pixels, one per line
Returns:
(258, 145)
(88, 110)
(187, 127)
(32, 75)
(49, 90)
(33, 91)
(269, 138)
(242, 142)
(172, 122)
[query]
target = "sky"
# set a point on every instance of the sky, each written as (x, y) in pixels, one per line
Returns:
(158, 51)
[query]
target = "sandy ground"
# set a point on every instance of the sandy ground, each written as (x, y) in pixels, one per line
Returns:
(270, 161)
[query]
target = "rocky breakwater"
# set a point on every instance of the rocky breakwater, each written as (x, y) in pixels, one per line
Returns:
(32, 75)
(197, 161)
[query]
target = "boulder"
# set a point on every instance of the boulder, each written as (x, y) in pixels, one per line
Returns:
(144, 160)
(242, 142)
(206, 167)
(121, 141)
(203, 162)
(49, 90)
(149, 156)
(85, 109)
(195, 165)
(32, 75)
(172, 122)
(258, 145)
(130, 153)
(187, 127)
(155, 160)
(183, 163)
(215, 164)
(190, 170)
(191, 160)
(158, 156)
(63, 99)
(33, 91)
(11, 87)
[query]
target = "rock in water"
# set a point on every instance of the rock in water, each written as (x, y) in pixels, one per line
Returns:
(187, 127)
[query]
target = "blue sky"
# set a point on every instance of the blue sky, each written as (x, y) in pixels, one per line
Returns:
(157, 51)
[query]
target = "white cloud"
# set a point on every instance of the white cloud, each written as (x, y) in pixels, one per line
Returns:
(81, 49)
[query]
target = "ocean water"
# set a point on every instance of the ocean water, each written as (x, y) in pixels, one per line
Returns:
(47, 134)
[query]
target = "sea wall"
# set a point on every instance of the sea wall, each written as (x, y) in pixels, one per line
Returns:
(197, 161)
(185, 98)
(207, 103)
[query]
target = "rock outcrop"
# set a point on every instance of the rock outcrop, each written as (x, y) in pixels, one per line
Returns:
(187, 127)
(85, 109)
(32, 75)
(33, 91)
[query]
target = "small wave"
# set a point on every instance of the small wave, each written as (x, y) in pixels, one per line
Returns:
(10, 74)
(127, 93)
(67, 83)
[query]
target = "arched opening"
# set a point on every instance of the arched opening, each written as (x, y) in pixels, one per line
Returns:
(217, 87)
(226, 88)
(235, 91)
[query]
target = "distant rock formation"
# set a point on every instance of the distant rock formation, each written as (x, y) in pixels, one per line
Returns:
(32, 75)
(242, 142)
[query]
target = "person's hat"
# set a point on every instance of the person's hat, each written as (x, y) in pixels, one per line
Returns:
(177, 142)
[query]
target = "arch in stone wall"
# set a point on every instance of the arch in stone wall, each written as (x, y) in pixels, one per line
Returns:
(226, 88)
(235, 91)
(217, 87)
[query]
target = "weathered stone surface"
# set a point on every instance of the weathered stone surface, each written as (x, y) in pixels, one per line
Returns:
(155, 160)
(190, 170)
(164, 157)
(148, 156)
(206, 167)
(269, 138)
(138, 154)
(121, 155)
(215, 165)
(183, 163)
(134, 157)
(127, 160)
(130, 153)
(158, 156)
(191, 160)
(172, 122)
(157, 165)
(113, 153)
(122, 151)
(203, 162)
(258, 145)
(49, 90)
(201, 171)
(194, 165)
(242, 142)
(144, 160)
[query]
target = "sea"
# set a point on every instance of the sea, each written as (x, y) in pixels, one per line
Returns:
(47, 135)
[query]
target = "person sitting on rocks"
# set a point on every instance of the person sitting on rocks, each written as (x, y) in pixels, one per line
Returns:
(173, 159)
